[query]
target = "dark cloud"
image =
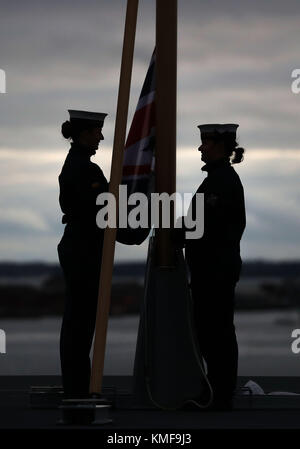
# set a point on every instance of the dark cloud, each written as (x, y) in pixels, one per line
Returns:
(235, 60)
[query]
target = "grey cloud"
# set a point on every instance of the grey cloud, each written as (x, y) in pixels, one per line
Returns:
(234, 63)
(61, 54)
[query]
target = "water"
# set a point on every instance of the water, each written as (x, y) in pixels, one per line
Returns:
(264, 339)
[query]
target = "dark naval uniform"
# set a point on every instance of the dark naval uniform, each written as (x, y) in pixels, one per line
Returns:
(214, 262)
(79, 251)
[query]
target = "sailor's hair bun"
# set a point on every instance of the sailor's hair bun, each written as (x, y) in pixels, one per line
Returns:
(238, 155)
(66, 129)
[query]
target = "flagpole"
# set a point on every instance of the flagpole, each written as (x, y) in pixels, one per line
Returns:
(115, 179)
(166, 85)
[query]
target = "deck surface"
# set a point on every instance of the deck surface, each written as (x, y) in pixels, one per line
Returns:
(17, 413)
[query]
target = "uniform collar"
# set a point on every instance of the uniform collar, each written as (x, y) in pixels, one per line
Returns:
(220, 163)
(81, 150)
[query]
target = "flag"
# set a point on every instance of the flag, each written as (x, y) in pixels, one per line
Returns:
(138, 165)
(139, 158)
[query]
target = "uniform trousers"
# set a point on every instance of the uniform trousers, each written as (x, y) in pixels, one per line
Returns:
(81, 269)
(213, 302)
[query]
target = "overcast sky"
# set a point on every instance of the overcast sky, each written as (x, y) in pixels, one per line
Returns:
(235, 60)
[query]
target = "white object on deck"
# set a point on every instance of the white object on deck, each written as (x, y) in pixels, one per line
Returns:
(252, 387)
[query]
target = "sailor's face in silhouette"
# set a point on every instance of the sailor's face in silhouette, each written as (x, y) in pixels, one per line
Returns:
(91, 138)
(211, 150)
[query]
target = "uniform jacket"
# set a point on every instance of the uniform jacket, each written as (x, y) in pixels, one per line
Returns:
(217, 252)
(80, 181)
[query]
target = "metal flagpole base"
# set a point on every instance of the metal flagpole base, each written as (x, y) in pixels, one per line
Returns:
(51, 396)
(92, 410)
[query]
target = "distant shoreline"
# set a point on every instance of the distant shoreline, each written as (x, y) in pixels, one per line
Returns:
(284, 268)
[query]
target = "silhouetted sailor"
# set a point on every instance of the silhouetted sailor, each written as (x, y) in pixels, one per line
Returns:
(80, 248)
(214, 259)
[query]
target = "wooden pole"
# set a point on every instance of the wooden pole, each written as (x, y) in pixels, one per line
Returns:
(115, 179)
(166, 87)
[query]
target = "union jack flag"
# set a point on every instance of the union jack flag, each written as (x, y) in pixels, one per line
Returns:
(139, 160)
